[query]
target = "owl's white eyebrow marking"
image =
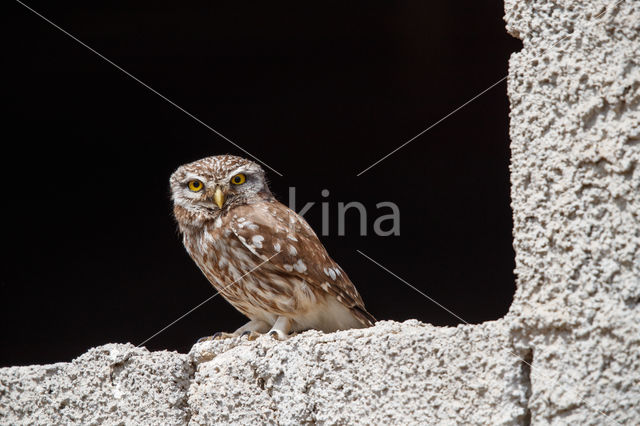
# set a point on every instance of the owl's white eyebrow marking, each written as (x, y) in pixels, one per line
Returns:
(247, 169)
(190, 176)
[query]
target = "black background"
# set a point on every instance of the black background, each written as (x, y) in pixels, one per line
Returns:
(319, 91)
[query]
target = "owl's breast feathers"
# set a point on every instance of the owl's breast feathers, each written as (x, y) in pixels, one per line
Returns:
(290, 250)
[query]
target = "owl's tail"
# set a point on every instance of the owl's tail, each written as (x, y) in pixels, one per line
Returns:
(363, 316)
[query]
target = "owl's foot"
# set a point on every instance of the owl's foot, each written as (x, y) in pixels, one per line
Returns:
(281, 328)
(278, 335)
(251, 335)
(217, 336)
(254, 329)
(257, 326)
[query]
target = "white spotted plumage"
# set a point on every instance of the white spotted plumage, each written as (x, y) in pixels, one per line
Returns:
(294, 285)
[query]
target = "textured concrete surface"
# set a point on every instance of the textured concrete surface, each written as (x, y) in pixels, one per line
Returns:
(391, 374)
(111, 384)
(568, 352)
(396, 373)
(575, 131)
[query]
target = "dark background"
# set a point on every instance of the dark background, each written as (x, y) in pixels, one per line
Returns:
(319, 91)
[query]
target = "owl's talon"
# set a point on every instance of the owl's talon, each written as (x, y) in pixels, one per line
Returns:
(251, 335)
(222, 335)
(281, 328)
(278, 335)
(216, 336)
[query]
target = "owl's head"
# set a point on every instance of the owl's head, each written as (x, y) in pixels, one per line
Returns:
(204, 189)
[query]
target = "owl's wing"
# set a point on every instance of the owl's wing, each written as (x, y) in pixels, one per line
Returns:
(269, 227)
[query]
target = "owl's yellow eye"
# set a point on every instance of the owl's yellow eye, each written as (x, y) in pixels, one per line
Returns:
(195, 185)
(238, 179)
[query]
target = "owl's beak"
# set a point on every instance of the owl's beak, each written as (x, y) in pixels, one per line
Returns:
(218, 197)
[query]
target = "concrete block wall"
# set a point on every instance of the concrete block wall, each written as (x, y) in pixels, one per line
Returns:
(575, 142)
(568, 351)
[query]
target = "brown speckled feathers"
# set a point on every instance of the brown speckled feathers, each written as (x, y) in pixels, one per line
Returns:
(260, 255)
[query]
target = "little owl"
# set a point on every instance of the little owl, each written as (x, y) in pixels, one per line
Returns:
(260, 255)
